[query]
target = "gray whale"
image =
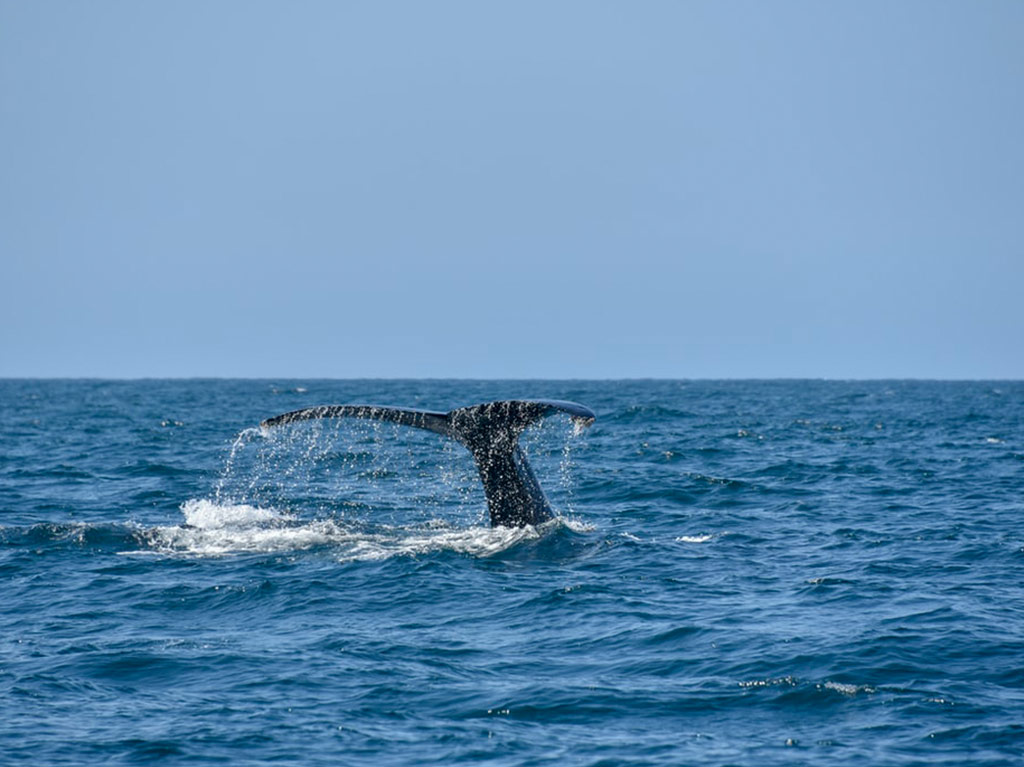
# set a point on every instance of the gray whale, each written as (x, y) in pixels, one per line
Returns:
(490, 431)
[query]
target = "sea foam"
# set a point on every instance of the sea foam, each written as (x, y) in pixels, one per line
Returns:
(215, 529)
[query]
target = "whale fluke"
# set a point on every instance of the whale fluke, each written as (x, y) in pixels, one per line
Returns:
(490, 431)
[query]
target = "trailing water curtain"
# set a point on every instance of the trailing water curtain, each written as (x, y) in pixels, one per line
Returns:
(490, 431)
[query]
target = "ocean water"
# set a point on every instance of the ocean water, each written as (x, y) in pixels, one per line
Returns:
(746, 572)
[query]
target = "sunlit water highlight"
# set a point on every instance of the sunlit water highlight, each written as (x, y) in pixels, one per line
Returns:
(740, 573)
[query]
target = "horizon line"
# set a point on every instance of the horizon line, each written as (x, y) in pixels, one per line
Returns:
(496, 379)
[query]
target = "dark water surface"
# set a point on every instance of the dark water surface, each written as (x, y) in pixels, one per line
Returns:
(756, 573)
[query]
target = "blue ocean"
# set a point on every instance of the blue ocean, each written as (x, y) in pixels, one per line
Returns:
(739, 573)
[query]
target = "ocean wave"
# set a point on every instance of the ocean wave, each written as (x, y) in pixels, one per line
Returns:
(216, 529)
(212, 529)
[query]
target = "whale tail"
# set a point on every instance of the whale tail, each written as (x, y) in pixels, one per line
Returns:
(490, 431)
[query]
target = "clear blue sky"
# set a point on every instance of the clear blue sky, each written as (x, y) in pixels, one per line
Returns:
(519, 189)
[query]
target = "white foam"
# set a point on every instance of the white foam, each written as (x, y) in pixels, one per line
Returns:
(847, 689)
(216, 529)
(209, 515)
(694, 538)
(576, 525)
(474, 541)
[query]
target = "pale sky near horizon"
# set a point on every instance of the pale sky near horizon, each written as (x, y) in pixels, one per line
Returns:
(521, 190)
